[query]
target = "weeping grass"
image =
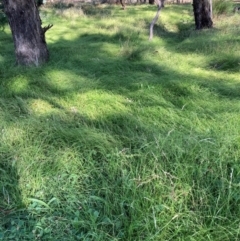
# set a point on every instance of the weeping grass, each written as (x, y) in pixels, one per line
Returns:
(119, 138)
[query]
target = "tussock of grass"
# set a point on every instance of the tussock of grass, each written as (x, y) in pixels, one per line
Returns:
(71, 13)
(117, 138)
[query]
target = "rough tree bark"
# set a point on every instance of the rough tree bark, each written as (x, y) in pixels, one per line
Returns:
(202, 14)
(28, 35)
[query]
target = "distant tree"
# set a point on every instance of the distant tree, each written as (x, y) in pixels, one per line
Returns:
(202, 14)
(28, 35)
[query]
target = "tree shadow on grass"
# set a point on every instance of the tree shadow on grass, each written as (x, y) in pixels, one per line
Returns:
(226, 63)
(67, 139)
(14, 219)
(186, 40)
(78, 192)
(126, 74)
(10, 192)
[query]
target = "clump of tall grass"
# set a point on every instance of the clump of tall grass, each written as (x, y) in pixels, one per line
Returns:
(222, 7)
(72, 12)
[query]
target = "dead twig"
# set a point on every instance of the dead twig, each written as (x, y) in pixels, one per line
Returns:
(45, 29)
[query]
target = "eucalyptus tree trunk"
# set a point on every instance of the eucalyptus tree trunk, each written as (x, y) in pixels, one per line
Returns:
(202, 14)
(160, 5)
(28, 35)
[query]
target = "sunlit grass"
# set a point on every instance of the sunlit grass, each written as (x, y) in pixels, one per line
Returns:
(119, 138)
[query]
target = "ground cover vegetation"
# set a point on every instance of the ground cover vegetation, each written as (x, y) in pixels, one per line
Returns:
(119, 138)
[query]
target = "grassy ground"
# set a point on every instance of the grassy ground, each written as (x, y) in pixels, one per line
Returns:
(119, 138)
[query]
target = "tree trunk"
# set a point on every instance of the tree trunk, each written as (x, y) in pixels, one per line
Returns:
(160, 4)
(28, 35)
(202, 14)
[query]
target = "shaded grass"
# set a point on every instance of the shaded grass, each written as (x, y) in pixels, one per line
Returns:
(117, 138)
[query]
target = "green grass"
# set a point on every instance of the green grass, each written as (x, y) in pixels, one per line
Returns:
(119, 138)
